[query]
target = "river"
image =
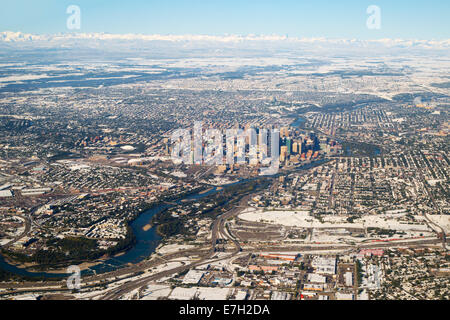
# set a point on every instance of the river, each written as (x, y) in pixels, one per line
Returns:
(146, 240)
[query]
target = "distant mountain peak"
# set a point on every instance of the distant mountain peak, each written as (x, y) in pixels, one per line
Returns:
(19, 37)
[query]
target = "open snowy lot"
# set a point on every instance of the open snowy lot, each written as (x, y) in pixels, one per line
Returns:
(442, 221)
(302, 219)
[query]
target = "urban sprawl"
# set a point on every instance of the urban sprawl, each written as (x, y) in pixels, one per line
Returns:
(358, 207)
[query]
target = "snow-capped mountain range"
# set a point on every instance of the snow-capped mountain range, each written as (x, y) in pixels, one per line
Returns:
(56, 39)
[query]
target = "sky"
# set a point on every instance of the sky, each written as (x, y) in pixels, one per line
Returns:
(344, 19)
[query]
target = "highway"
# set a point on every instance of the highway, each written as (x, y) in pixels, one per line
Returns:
(217, 229)
(28, 223)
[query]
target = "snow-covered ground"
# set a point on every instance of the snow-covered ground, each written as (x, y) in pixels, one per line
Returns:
(4, 241)
(167, 266)
(155, 291)
(302, 219)
(179, 174)
(442, 221)
(200, 293)
(171, 248)
(11, 235)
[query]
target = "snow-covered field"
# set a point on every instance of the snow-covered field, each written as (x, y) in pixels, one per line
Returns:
(155, 291)
(167, 266)
(441, 220)
(302, 219)
(171, 248)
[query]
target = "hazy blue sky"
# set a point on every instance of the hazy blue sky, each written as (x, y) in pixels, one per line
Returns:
(413, 19)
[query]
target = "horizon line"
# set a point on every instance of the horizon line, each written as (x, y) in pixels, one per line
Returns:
(197, 37)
